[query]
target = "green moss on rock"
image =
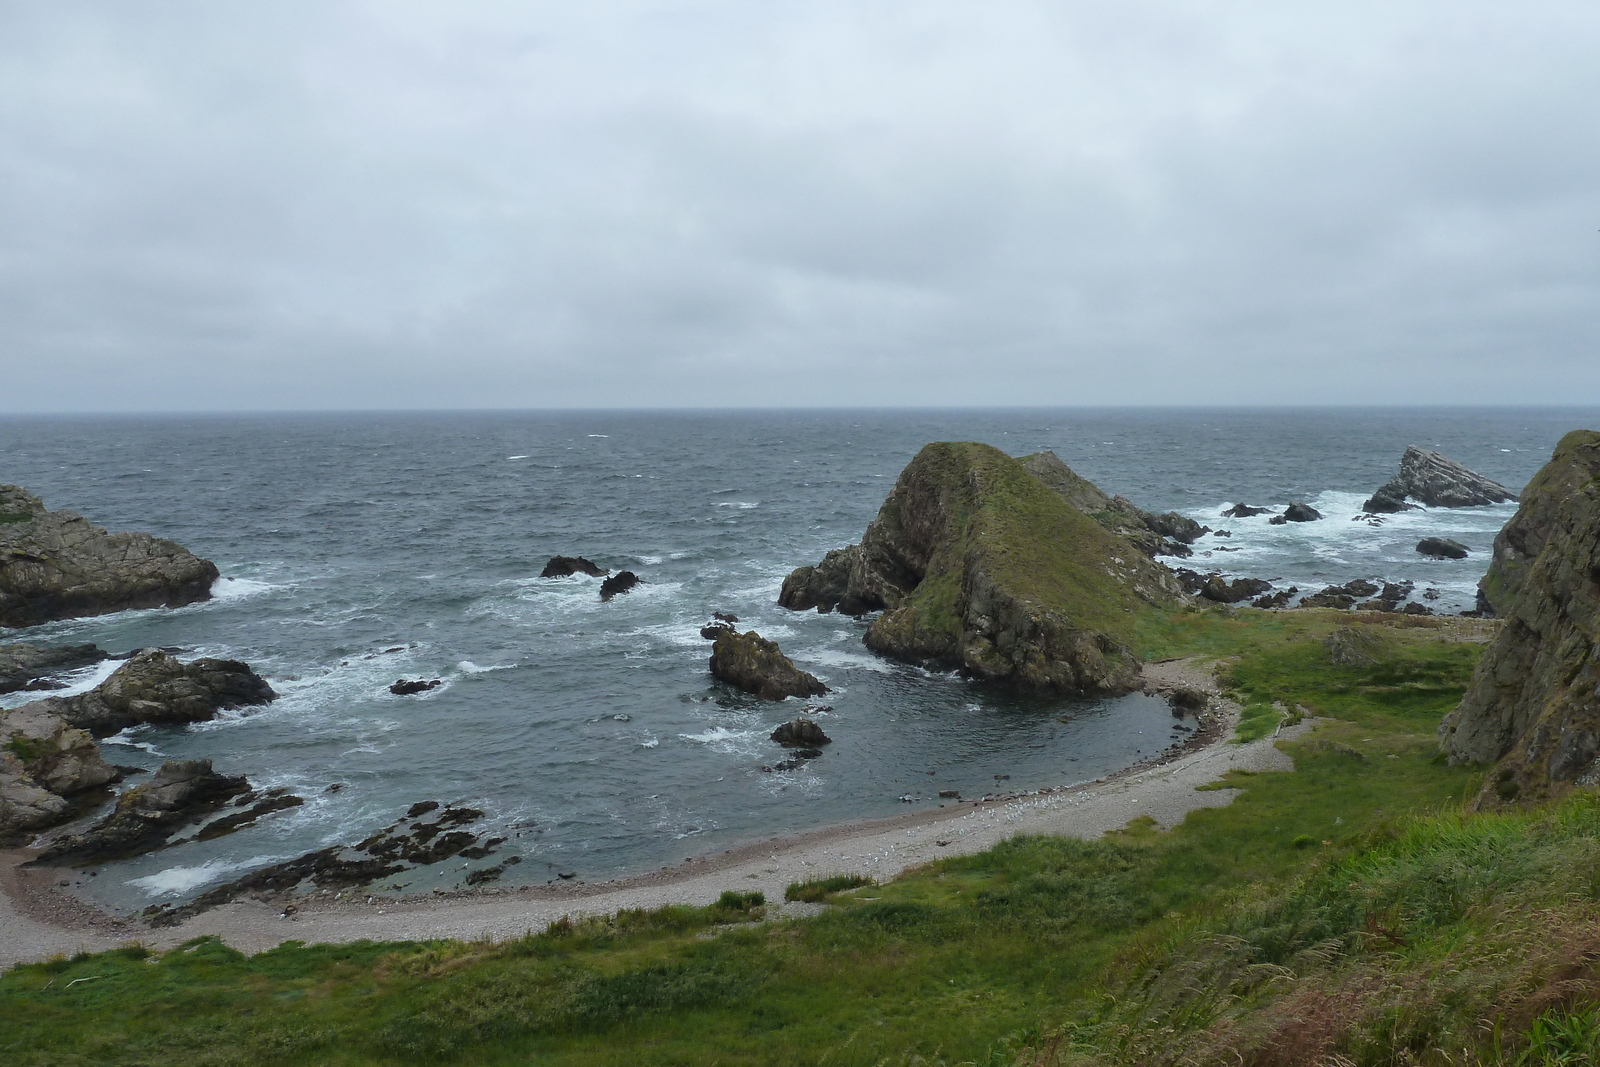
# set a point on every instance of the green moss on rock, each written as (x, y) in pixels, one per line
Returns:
(980, 564)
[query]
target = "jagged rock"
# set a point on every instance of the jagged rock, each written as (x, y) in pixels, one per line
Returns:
(1243, 511)
(802, 733)
(44, 761)
(620, 582)
(1531, 704)
(564, 566)
(981, 566)
(1279, 599)
(22, 666)
(1386, 501)
(758, 666)
(1436, 481)
(154, 687)
(723, 616)
(182, 792)
(390, 851)
(1331, 597)
(1358, 587)
(1442, 548)
(1178, 527)
(1350, 647)
(710, 631)
(259, 804)
(58, 565)
(403, 688)
(1417, 609)
(1232, 592)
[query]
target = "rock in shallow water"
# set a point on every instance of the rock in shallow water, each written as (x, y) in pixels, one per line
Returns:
(758, 666)
(58, 565)
(154, 687)
(1442, 548)
(802, 733)
(182, 792)
(565, 566)
(620, 582)
(22, 664)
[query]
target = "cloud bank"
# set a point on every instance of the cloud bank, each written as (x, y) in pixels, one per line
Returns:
(379, 205)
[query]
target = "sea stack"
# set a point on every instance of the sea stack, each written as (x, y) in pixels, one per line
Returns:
(978, 564)
(1531, 705)
(1437, 482)
(58, 565)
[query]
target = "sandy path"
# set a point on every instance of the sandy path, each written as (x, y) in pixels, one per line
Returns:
(37, 922)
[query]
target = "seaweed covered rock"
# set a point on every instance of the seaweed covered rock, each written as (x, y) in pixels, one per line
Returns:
(759, 666)
(58, 565)
(1437, 481)
(979, 565)
(154, 687)
(1532, 703)
(182, 792)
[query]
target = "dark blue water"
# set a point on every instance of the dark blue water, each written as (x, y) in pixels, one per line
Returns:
(359, 549)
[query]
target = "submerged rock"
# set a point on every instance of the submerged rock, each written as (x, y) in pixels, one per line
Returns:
(154, 687)
(58, 565)
(565, 566)
(1437, 481)
(1442, 548)
(182, 792)
(1243, 511)
(403, 688)
(758, 666)
(1531, 704)
(620, 582)
(23, 666)
(1296, 513)
(979, 565)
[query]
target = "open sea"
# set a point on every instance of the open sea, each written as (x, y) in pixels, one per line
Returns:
(359, 549)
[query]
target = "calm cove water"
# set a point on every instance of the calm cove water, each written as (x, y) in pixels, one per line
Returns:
(357, 549)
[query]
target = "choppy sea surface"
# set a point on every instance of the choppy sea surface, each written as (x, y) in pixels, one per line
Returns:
(359, 549)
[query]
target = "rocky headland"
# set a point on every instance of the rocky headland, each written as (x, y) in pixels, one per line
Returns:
(979, 563)
(58, 565)
(1532, 705)
(1434, 481)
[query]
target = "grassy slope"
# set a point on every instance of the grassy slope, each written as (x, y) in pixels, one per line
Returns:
(974, 959)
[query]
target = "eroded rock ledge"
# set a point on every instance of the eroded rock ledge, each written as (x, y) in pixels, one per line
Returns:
(980, 564)
(58, 565)
(1533, 703)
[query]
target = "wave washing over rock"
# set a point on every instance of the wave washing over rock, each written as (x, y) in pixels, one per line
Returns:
(357, 550)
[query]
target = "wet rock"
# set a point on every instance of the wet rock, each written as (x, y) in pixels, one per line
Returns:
(723, 616)
(492, 874)
(1442, 548)
(712, 630)
(182, 792)
(1243, 511)
(1358, 587)
(24, 666)
(758, 666)
(260, 804)
(1279, 599)
(403, 688)
(58, 565)
(620, 582)
(1298, 513)
(1328, 598)
(801, 732)
(1387, 501)
(1178, 527)
(1438, 482)
(155, 687)
(393, 850)
(565, 566)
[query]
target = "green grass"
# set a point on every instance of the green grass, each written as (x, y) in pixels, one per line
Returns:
(28, 749)
(817, 890)
(976, 959)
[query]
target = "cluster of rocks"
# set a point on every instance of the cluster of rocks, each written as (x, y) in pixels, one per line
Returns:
(566, 566)
(411, 842)
(1435, 481)
(58, 565)
(49, 757)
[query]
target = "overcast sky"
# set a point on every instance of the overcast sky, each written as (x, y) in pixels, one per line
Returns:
(211, 206)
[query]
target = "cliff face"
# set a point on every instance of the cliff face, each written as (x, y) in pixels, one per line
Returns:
(978, 564)
(1534, 702)
(58, 565)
